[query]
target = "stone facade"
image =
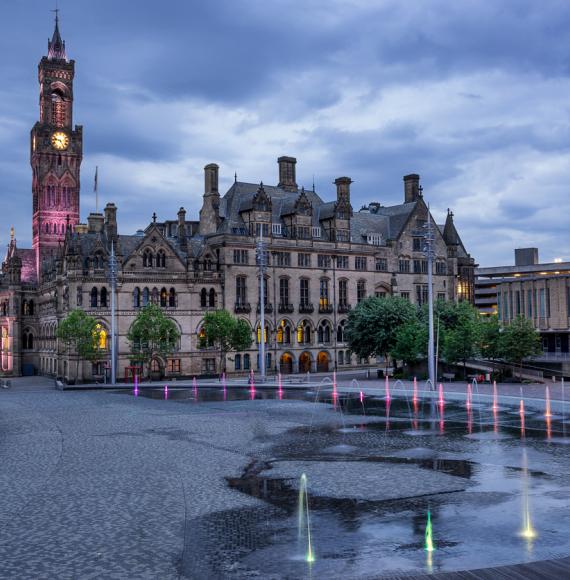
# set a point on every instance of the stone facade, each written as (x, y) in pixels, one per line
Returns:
(323, 259)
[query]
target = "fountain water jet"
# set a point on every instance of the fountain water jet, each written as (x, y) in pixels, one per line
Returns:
(521, 413)
(495, 397)
(441, 401)
(469, 397)
(527, 531)
(547, 412)
(387, 389)
(251, 386)
(166, 391)
(136, 385)
(280, 388)
(304, 521)
(428, 544)
(195, 388)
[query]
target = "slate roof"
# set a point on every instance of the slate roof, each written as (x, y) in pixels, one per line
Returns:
(387, 221)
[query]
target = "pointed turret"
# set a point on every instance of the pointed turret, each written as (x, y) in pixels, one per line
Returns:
(56, 46)
(450, 234)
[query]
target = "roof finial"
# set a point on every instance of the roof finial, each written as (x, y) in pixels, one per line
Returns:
(154, 217)
(235, 177)
(12, 233)
(313, 183)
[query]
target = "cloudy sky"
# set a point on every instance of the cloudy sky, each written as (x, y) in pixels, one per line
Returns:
(472, 95)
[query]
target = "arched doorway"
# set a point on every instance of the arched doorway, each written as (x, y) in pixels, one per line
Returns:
(305, 362)
(323, 362)
(286, 364)
(156, 369)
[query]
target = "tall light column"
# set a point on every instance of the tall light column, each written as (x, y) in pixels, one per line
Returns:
(429, 240)
(261, 257)
(113, 280)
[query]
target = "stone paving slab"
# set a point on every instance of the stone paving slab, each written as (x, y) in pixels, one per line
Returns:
(366, 481)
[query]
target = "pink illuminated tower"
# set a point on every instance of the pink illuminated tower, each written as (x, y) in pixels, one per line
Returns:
(55, 154)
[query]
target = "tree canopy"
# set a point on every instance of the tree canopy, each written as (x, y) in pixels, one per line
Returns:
(372, 326)
(152, 334)
(82, 334)
(519, 340)
(226, 333)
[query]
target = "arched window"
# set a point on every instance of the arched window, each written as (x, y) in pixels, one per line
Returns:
(31, 307)
(137, 298)
(284, 332)
(340, 331)
(146, 297)
(154, 295)
(172, 298)
(304, 332)
(341, 357)
(28, 340)
(58, 108)
(103, 299)
(94, 298)
(161, 259)
(246, 362)
(163, 297)
(98, 261)
(100, 337)
(212, 298)
(324, 332)
(204, 298)
(25, 307)
(47, 228)
(208, 265)
(147, 259)
(237, 362)
(265, 334)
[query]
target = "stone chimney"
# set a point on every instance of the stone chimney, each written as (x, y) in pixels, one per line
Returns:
(111, 220)
(182, 227)
(287, 174)
(343, 188)
(411, 187)
(210, 212)
(211, 172)
(95, 222)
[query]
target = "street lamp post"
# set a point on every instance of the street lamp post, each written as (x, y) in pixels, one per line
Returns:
(429, 241)
(113, 280)
(261, 256)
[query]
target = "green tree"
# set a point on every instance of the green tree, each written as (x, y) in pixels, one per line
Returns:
(490, 339)
(82, 334)
(152, 334)
(410, 344)
(372, 326)
(518, 341)
(461, 332)
(226, 333)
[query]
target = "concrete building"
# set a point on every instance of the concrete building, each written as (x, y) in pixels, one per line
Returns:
(324, 258)
(539, 292)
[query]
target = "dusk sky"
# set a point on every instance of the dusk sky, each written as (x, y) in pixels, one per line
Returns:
(472, 95)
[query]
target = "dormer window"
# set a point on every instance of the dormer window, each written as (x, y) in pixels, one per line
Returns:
(374, 239)
(148, 259)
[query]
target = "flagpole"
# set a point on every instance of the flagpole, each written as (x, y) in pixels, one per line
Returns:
(96, 189)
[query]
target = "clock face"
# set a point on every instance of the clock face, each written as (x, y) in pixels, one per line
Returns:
(60, 140)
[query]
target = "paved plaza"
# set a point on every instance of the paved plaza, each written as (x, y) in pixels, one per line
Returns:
(102, 484)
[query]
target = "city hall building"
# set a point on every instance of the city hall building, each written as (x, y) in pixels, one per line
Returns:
(324, 258)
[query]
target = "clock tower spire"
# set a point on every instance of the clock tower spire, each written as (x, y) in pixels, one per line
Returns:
(56, 152)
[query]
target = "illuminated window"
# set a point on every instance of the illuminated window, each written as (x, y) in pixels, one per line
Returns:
(100, 336)
(265, 334)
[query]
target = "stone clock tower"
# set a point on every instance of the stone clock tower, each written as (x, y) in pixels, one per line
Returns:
(56, 153)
